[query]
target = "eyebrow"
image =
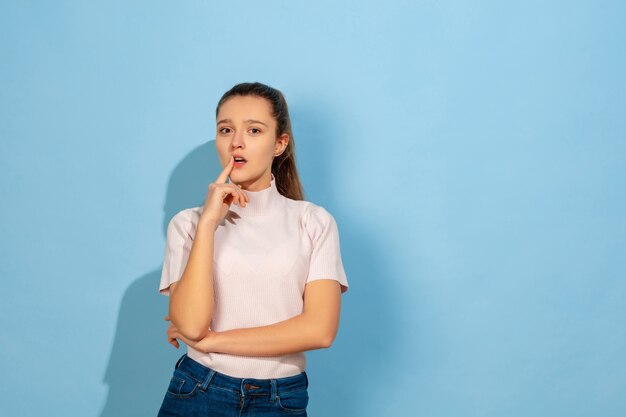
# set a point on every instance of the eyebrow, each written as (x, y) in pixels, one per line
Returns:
(245, 121)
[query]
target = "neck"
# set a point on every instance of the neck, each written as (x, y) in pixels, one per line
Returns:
(262, 203)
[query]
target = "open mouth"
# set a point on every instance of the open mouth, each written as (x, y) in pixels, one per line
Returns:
(239, 161)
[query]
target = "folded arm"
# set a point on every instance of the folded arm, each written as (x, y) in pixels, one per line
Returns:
(315, 328)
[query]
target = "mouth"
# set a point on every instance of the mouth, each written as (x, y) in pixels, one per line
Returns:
(239, 162)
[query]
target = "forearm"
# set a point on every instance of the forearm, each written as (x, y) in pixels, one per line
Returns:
(191, 304)
(297, 334)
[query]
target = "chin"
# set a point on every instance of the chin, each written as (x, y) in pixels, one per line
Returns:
(237, 176)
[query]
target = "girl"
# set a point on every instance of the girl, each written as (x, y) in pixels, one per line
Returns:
(254, 277)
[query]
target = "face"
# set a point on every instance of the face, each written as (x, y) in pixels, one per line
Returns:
(245, 127)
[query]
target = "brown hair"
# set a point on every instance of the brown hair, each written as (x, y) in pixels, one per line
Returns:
(284, 166)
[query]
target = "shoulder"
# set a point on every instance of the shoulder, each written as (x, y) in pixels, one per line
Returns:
(315, 218)
(307, 210)
(185, 221)
(318, 213)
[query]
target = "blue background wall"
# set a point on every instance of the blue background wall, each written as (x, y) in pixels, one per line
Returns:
(472, 153)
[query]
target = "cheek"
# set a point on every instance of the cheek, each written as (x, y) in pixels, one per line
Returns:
(222, 152)
(263, 152)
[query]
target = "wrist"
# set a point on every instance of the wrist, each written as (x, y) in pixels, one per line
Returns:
(207, 224)
(210, 342)
(214, 338)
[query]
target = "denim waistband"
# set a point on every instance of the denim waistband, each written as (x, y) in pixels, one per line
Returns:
(243, 386)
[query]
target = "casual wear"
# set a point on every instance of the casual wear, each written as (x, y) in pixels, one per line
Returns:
(196, 390)
(264, 255)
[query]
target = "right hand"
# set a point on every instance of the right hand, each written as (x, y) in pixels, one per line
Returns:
(221, 194)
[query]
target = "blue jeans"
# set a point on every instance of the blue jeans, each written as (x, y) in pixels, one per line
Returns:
(196, 390)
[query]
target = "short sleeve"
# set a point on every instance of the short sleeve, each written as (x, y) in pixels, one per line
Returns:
(325, 260)
(177, 250)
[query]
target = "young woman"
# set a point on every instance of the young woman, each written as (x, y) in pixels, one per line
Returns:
(254, 277)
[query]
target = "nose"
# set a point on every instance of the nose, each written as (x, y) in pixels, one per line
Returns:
(237, 141)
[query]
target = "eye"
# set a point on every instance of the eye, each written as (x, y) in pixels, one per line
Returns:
(255, 131)
(224, 128)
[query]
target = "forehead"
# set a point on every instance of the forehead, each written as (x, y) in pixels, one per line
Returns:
(239, 108)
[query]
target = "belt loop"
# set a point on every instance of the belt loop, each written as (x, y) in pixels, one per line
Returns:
(306, 377)
(179, 361)
(273, 395)
(208, 379)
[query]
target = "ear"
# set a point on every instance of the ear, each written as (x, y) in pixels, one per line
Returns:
(281, 144)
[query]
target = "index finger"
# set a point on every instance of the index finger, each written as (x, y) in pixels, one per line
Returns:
(224, 174)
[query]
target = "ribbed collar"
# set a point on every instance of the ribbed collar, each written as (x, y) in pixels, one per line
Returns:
(262, 203)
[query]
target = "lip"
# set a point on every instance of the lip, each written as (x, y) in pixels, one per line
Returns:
(239, 164)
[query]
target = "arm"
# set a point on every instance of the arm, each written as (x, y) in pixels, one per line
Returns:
(315, 328)
(191, 298)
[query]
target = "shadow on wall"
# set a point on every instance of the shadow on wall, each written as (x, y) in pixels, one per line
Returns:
(141, 361)
(341, 378)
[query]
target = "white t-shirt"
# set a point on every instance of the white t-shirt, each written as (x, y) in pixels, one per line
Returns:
(264, 254)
